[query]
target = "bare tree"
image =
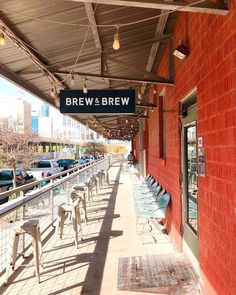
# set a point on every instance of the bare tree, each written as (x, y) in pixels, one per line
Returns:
(94, 148)
(16, 148)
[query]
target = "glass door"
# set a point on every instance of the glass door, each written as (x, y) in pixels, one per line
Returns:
(190, 185)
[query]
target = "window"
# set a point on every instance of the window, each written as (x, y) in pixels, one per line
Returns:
(162, 127)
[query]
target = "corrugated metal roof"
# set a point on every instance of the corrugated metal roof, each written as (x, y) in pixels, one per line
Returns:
(57, 45)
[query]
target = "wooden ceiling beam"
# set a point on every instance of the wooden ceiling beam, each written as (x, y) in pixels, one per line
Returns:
(204, 7)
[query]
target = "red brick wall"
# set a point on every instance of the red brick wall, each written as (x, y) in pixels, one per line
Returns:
(145, 139)
(211, 68)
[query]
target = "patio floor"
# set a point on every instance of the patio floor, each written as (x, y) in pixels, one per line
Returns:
(109, 236)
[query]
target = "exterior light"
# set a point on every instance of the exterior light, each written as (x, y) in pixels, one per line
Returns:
(2, 39)
(52, 94)
(116, 42)
(72, 81)
(85, 89)
(182, 50)
(139, 95)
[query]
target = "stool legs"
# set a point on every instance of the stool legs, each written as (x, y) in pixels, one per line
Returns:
(84, 207)
(36, 252)
(14, 250)
(62, 222)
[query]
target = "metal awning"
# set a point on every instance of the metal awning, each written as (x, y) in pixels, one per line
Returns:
(61, 44)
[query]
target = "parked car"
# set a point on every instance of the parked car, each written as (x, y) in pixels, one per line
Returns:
(44, 168)
(10, 179)
(66, 163)
(84, 159)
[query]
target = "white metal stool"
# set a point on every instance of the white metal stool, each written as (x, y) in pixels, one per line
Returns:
(85, 188)
(64, 210)
(26, 227)
(100, 178)
(105, 177)
(75, 195)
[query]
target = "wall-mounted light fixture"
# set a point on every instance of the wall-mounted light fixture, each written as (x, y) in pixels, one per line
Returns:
(182, 50)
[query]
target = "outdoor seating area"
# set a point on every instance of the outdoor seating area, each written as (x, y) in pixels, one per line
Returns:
(150, 202)
(107, 233)
(73, 208)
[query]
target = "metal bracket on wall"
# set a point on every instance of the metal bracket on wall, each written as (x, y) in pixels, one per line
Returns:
(182, 113)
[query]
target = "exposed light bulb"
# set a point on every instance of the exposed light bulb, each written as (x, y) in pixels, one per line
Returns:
(139, 95)
(72, 81)
(154, 91)
(52, 94)
(2, 39)
(85, 89)
(116, 43)
(152, 110)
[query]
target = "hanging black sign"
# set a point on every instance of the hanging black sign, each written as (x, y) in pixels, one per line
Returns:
(97, 101)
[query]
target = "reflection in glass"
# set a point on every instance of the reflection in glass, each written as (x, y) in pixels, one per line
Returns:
(192, 178)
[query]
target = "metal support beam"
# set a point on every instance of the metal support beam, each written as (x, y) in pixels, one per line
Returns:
(204, 7)
(93, 26)
(159, 31)
(163, 81)
(146, 105)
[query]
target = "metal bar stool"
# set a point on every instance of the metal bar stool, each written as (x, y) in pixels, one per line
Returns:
(64, 210)
(95, 182)
(75, 195)
(105, 177)
(26, 227)
(100, 178)
(86, 187)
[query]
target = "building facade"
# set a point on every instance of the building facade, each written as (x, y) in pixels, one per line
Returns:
(190, 147)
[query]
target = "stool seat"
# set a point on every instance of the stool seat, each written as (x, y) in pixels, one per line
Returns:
(81, 187)
(26, 225)
(31, 227)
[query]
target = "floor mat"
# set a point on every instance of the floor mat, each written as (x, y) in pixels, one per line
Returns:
(158, 274)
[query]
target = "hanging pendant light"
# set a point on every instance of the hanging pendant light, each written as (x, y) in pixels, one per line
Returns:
(116, 42)
(85, 89)
(2, 39)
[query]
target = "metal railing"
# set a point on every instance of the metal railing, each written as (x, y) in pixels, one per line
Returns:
(41, 203)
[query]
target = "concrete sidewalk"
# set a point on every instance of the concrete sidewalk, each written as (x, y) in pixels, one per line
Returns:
(92, 268)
